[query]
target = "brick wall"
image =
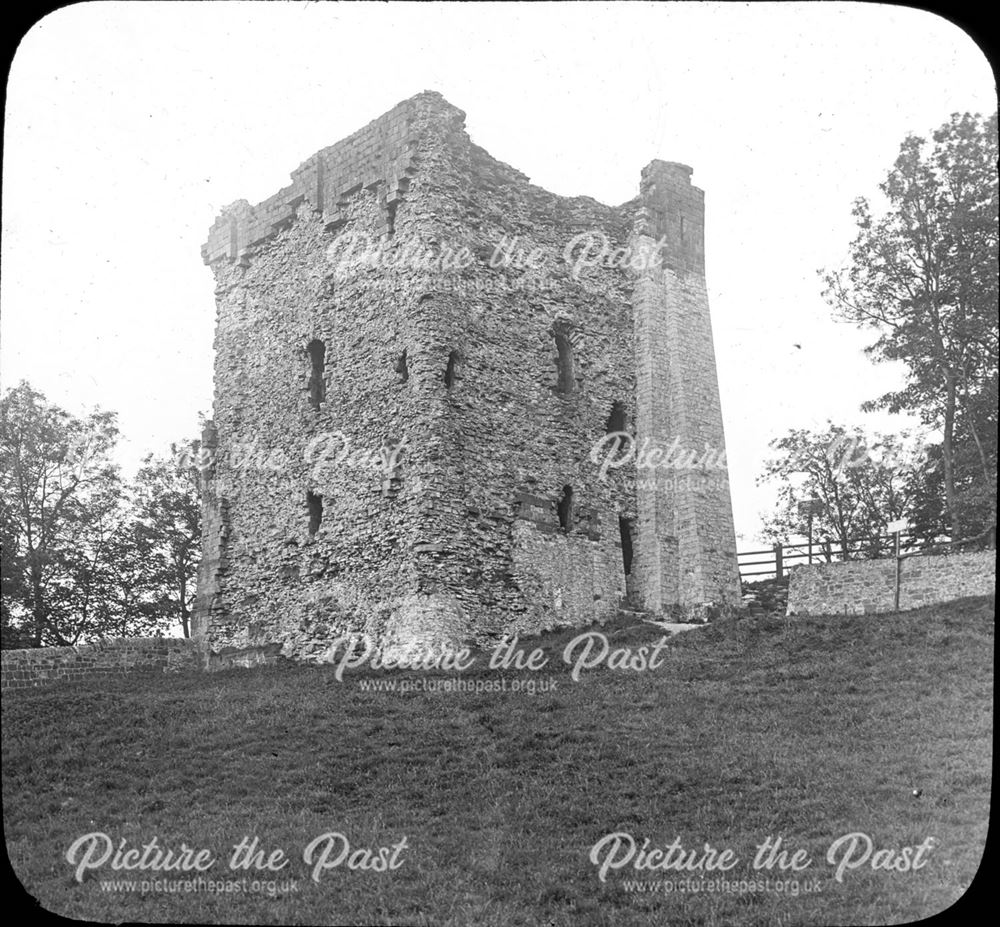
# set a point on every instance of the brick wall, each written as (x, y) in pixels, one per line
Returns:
(868, 586)
(23, 669)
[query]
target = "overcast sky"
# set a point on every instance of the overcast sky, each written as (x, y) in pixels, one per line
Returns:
(129, 126)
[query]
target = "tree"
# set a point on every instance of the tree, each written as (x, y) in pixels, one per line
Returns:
(168, 532)
(58, 486)
(84, 556)
(862, 484)
(924, 276)
(12, 581)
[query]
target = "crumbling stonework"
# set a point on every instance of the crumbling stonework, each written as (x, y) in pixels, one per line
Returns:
(861, 587)
(419, 358)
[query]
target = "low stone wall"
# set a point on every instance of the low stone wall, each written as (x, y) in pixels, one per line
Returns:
(23, 669)
(245, 657)
(858, 587)
(570, 581)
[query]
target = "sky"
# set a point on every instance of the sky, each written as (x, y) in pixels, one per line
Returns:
(129, 126)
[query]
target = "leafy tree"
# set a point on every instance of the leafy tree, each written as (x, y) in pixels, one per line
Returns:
(862, 484)
(57, 487)
(924, 276)
(168, 532)
(976, 500)
(12, 582)
(84, 556)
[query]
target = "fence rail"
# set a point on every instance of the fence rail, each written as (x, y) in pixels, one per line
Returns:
(777, 558)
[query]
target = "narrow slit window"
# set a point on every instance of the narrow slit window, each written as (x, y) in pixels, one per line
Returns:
(449, 372)
(314, 503)
(616, 424)
(402, 369)
(317, 360)
(565, 509)
(564, 364)
(625, 529)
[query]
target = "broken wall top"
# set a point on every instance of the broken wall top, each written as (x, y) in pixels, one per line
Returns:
(381, 155)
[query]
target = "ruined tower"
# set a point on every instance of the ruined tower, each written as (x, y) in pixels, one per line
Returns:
(450, 405)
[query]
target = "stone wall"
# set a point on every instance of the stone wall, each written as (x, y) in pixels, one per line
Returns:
(441, 383)
(23, 669)
(858, 587)
(686, 541)
(569, 580)
(378, 159)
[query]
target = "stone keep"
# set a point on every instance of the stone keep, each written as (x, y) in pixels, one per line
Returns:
(422, 361)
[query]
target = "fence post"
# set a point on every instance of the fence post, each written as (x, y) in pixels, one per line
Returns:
(899, 564)
(777, 561)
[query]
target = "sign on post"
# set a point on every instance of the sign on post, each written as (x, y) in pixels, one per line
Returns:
(810, 507)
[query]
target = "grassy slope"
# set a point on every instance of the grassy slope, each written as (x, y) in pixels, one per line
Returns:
(809, 729)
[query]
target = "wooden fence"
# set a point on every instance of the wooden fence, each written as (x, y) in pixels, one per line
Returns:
(775, 561)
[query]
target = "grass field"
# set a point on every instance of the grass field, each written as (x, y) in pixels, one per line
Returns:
(807, 729)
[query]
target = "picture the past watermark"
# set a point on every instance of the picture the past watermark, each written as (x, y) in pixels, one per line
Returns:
(251, 866)
(586, 651)
(775, 866)
(248, 861)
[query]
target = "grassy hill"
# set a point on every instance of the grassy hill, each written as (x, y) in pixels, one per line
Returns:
(808, 729)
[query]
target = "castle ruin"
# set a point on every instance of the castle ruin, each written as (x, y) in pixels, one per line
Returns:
(452, 406)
